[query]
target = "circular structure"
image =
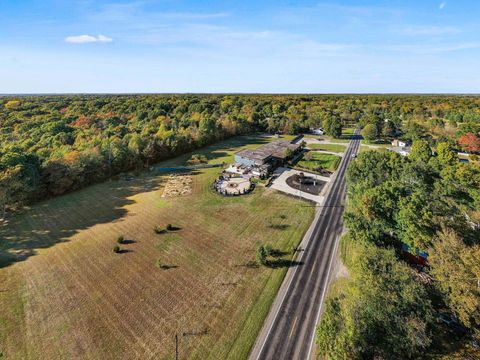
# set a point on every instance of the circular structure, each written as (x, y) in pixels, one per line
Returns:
(234, 186)
(306, 184)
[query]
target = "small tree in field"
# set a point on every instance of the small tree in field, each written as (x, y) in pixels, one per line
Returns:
(170, 227)
(116, 249)
(262, 253)
(120, 239)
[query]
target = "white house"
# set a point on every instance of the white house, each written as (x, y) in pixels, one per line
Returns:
(402, 150)
(400, 143)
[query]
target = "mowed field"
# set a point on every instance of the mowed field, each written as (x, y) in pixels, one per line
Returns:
(328, 147)
(64, 294)
(325, 161)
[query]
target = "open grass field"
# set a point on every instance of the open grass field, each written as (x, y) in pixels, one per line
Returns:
(328, 147)
(325, 161)
(64, 294)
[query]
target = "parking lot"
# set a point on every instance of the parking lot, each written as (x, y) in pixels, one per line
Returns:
(280, 184)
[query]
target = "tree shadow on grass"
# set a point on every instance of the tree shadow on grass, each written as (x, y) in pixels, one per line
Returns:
(282, 263)
(168, 267)
(56, 220)
(127, 242)
(174, 228)
(276, 253)
(279, 226)
(124, 251)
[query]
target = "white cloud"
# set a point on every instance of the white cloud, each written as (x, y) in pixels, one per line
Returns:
(433, 49)
(442, 5)
(84, 39)
(430, 30)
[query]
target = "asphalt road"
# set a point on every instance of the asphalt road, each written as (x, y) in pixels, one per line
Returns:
(289, 330)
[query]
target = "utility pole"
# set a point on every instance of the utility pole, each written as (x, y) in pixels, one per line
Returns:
(176, 346)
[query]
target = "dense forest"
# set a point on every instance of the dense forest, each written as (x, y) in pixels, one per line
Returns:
(50, 145)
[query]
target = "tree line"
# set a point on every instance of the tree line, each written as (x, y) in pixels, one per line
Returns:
(50, 145)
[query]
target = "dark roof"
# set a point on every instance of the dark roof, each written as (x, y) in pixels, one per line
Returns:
(253, 154)
(277, 148)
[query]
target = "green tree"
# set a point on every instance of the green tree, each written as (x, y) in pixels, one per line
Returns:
(446, 154)
(332, 125)
(415, 220)
(383, 312)
(369, 132)
(420, 151)
(389, 129)
(414, 131)
(12, 188)
(136, 145)
(456, 269)
(261, 255)
(207, 129)
(288, 153)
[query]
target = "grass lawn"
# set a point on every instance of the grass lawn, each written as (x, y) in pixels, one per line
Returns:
(348, 131)
(328, 147)
(377, 143)
(364, 148)
(325, 161)
(65, 294)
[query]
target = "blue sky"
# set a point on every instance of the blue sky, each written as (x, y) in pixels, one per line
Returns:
(239, 46)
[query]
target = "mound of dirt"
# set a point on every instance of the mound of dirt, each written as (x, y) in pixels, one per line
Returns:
(178, 185)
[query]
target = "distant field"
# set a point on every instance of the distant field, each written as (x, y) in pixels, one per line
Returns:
(328, 147)
(64, 294)
(325, 161)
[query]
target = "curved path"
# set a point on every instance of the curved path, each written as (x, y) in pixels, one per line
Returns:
(289, 330)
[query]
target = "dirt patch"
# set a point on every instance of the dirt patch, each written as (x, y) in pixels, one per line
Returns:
(341, 270)
(178, 185)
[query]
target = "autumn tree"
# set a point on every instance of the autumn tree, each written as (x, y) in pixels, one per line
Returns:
(470, 142)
